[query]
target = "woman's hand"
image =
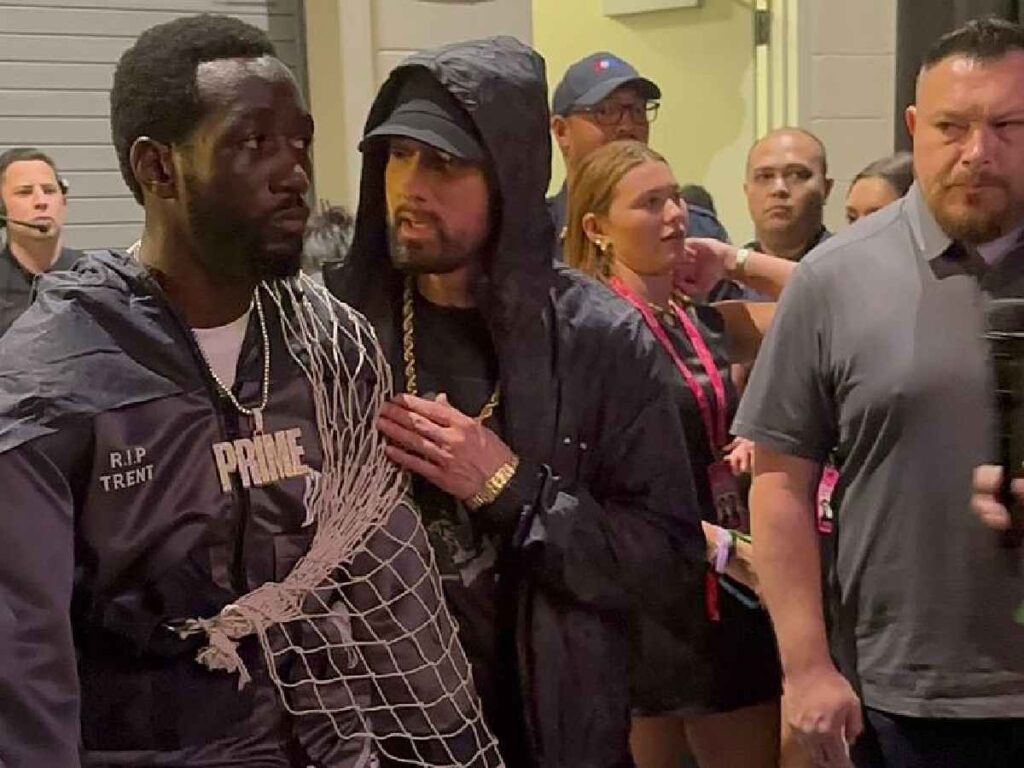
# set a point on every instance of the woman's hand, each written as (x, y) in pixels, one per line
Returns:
(740, 456)
(705, 262)
(740, 565)
(985, 502)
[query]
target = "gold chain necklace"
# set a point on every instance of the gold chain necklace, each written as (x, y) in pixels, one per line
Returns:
(675, 301)
(409, 355)
(256, 411)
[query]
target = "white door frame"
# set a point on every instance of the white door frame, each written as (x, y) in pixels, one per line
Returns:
(778, 71)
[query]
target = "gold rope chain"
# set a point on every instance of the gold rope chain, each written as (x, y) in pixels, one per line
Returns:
(409, 355)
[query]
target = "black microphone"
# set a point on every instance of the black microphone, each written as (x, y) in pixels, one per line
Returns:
(44, 228)
(1005, 336)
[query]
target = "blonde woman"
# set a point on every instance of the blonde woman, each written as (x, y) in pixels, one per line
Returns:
(627, 227)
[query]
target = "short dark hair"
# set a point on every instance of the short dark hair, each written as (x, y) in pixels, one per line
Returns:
(983, 39)
(155, 92)
(695, 194)
(22, 154)
(897, 170)
(794, 129)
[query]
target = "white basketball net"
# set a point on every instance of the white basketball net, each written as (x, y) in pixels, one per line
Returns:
(358, 631)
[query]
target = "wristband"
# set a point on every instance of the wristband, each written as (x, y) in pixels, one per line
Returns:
(494, 485)
(742, 254)
(724, 544)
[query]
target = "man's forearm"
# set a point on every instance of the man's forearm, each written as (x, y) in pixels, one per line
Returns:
(746, 323)
(765, 274)
(786, 557)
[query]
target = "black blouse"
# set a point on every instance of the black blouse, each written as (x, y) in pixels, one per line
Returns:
(711, 325)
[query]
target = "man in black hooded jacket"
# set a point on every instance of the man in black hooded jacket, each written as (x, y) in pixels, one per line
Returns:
(548, 462)
(123, 391)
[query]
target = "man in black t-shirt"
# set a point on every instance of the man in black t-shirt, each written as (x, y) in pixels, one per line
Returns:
(33, 204)
(544, 451)
(602, 98)
(787, 186)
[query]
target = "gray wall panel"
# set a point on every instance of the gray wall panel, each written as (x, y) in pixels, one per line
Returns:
(54, 130)
(84, 158)
(96, 184)
(75, 49)
(31, 76)
(119, 209)
(177, 7)
(106, 235)
(57, 61)
(77, 22)
(90, 50)
(53, 103)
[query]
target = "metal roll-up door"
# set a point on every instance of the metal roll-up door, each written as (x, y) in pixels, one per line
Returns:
(57, 62)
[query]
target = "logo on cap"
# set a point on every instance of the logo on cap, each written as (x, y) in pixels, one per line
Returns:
(602, 64)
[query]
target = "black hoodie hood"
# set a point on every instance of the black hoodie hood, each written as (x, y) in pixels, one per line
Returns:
(501, 84)
(601, 512)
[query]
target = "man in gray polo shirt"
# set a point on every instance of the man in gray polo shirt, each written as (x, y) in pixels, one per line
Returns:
(876, 353)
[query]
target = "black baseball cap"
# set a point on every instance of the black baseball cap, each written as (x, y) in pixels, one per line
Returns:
(591, 79)
(425, 112)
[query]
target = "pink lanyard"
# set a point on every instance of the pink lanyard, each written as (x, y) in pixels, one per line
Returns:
(717, 430)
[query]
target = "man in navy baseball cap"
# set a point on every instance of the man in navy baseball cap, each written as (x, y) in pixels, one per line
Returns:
(590, 80)
(602, 98)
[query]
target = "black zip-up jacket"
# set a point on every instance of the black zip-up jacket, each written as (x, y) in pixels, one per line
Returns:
(601, 514)
(114, 521)
(16, 283)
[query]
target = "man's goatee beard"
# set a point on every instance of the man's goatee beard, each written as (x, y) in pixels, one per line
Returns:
(415, 261)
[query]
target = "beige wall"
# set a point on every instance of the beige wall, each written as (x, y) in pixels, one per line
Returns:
(702, 58)
(352, 45)
(326, 97)
(847, 86)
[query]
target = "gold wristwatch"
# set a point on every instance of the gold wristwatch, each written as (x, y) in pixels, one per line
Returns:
(740, 267)
(494, 485)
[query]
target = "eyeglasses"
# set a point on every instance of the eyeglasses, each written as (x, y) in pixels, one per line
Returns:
(610, 113)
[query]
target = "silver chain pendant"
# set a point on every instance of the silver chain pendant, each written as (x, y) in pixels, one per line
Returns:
(257, 421)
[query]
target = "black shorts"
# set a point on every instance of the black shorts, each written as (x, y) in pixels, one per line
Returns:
(744, 655)
(734, 664)
(917, 742)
